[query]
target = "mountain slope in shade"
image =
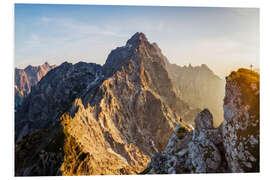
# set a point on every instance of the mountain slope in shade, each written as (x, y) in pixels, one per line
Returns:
(200, 87)
(53, 95)
(28, 77)
(87, 119)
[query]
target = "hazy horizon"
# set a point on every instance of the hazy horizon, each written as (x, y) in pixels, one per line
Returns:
(223, 38)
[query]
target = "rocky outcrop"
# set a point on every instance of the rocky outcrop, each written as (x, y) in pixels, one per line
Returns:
(232, 147)
(200, 87)
(196, 151)
(240, 128)
(26, 78)
(113, 118)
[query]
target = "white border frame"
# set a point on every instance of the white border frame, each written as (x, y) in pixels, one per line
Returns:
(7, 90)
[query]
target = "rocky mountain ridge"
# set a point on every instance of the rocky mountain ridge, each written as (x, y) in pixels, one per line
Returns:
(200, 87)
(28, 77)
(53, 95)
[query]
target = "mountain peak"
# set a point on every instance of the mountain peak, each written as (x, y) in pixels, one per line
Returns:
(204, 66)
(46, 64)
(120, 55)
(28, 67)
(28, 77)
(136, 47)
(137, 38)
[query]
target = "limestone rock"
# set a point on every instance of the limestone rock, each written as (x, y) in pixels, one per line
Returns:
(240, 128)
(192, 151)
(204, 120)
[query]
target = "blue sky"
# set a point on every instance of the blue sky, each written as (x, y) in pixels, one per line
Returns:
(223, 38)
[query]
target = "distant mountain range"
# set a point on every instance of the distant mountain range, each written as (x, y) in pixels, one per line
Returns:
(200, 88)
(28, 77)
(85, 118)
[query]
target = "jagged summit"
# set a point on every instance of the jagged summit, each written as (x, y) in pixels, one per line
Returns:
(200, 87)
(44, 65)
(28, 77)
(136, 47)
(137, 38)
(204, 66)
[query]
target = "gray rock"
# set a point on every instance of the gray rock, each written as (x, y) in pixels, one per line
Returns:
(196, 151)
(240, 128)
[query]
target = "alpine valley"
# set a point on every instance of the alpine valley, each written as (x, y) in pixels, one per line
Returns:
(136, 114)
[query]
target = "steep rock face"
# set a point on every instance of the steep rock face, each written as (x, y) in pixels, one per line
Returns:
(191, 151)
(200, 87)
(112, 119)
(240, 128)
(28, 77)
(22, 86)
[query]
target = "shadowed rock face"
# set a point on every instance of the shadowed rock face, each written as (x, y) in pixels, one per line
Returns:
(26, 78)
(112, 118)
(52, 96)
(233, 147)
